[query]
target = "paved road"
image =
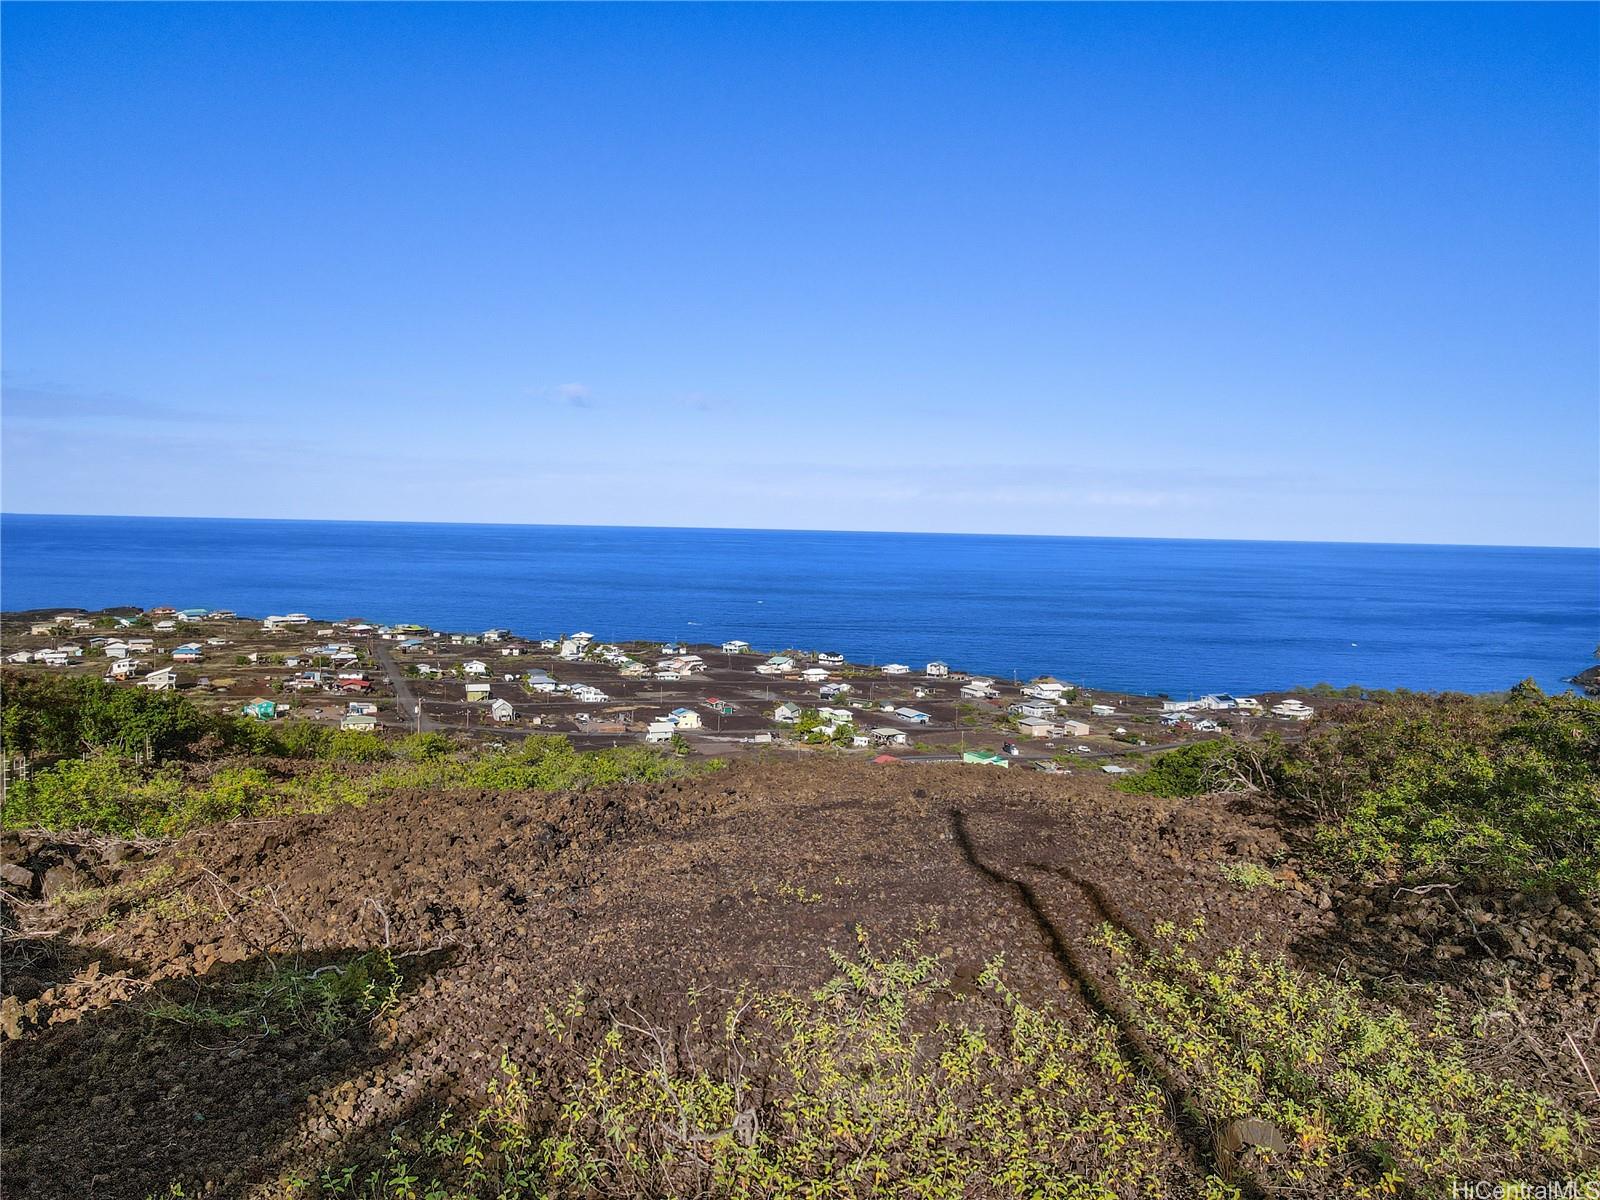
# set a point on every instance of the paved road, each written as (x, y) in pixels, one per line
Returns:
(405, 699)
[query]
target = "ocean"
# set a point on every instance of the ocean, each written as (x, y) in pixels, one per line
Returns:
(1137, 615)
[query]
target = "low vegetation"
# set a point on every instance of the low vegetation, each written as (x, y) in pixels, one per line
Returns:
(1491, 791)
(887, 1081)
(324, 1001)
(88, 755)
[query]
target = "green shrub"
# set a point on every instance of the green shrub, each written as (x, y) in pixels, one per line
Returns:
(1186, 771)
(1498, 792)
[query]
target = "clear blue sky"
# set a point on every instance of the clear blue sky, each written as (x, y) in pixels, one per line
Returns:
(1263, 271)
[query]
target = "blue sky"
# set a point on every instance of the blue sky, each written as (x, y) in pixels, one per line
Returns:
(1262, 271)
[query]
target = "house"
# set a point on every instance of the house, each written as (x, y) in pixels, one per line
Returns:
(885, 735)
(837, 716)
(831, 660)
(660, 731)
(51, 658)
(915, 716)
(778, 664)
(685, 718)
(786, 714)
(937, 670)
(477, 692)
(496, 635)
(896, 669)
(193, 614)
(475, 666)
(829, 691)
(117, 648)
(502, 710)
(358, 723)
(42, 628)
(355, 683)
(814, 674)
(283, 622)
(1102, 710)
(1293, 710)
(735, 646)
(571, 649)
(630, 669)
(1035, 709)
(588, 694)
(539, 681)
(164, 680)
(20, 656)
(1036, 727)
(1074, 729)
(1248, 704)
(1045, 689)
(261, 709)
(979, 689)
(719, 706)
(362, 708)
(987, 758)
(188, 653)
(141, 645)
(123, 668)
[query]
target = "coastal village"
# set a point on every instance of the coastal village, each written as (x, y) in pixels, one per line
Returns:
(721, 699)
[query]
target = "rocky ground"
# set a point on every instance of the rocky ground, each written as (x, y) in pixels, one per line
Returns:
(496, 906)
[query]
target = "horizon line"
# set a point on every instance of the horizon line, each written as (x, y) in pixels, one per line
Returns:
(6, 513)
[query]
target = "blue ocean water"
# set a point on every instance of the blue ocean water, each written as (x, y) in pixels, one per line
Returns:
(1177, 617)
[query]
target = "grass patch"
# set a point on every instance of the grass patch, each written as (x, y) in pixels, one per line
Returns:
(887, 1081)
(325, 1001)
(109, 793)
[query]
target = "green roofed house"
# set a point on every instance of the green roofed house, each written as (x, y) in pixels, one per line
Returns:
(261, 710)
(988, 758)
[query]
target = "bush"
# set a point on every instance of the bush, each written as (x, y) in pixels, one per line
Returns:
(1497, 792)
(1187, 771)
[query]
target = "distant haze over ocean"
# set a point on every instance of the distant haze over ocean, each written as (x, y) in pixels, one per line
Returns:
(1180, 617)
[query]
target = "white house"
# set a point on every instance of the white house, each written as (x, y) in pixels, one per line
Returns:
(1038, 710)
(896, 669)
(814, 674)
(571, 649)
(502, 710)
(1294, 710)
(786, 714)
(1102, 710)
(359, 722)
(20, 656)
(979, 689)
(735, 646)
(685, 718)
(830, 660)
(123, 668)
(475, 666)
(164, 680)
(839, 716)
(886, 735)
(362, 708)
(915, 716)
(937, 670)
(660, 731)
(1045, 689)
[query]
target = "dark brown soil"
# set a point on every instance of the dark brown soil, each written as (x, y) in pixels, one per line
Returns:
(501, 904)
